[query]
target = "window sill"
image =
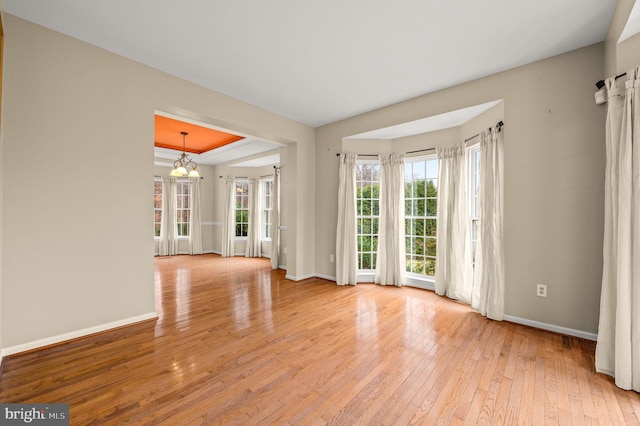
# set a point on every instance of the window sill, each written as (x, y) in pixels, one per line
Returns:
(366, 275)
(421, 281)
(180, 238)
(413, 280)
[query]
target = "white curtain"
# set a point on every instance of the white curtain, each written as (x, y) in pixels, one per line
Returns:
(253, 235)
(228, 227)
(454, 273)
(168, 224)
(275, 220)
(346, 238)
(391, 257)
(618, 348)
(195, 222)
(488, 282)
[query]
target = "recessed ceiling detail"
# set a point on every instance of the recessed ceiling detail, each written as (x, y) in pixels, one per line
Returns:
(199, 139)
(428, 124)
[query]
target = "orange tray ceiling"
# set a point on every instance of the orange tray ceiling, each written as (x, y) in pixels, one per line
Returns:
(199, 139)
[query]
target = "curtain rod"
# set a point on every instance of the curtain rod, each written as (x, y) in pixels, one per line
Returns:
(472, 137)
(247, 177)
(498, 128)
(275, 168)
(600, 83)
(420, 150)
(181, 177)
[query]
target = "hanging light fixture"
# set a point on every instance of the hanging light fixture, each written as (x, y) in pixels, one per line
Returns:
(181, 164)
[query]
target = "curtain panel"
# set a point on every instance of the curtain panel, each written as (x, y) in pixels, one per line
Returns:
(254, 248)
(618, 347)
(168, 245)
(195, 221)
(346, 233)
(391, 253)
(275, 220)
(487, 296)
(454, 273)
(228, 227)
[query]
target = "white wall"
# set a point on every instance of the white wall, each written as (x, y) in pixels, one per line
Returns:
(554, 178)
(78, 240)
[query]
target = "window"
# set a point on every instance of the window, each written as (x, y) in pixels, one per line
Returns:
(420, 195)
(474, 200)
(267, 206)
(367, 212)
(182, 208)
(157, 205)
(242, 208)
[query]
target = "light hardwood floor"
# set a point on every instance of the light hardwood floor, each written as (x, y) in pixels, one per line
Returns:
(239, 344)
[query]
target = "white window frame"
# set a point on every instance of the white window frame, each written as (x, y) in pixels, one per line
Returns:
(266, 208)
(157, 211)
(366, 274)
(183, 207)
(411, 204)
(240, 208)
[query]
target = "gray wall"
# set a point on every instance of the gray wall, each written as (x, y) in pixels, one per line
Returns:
(65, 264)
(554, 175)
(77, 229)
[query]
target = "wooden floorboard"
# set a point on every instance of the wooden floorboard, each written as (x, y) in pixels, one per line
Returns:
(237, 343)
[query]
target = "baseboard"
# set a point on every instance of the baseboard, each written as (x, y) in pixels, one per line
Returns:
(300, 278)
(428, 285)
(75, 334)
(551, 327)
(187, 253)
(325, 277)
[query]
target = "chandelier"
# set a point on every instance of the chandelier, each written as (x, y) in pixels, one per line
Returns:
(181, 164)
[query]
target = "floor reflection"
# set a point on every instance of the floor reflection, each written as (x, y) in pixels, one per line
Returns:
(366, 318)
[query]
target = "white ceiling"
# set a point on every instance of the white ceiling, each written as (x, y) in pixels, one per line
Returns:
(228, 154)
(322, 61)
(633, 24)
(429, 124)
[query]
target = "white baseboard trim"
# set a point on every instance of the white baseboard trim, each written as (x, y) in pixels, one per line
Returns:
(300, 278)
(325, 277)
(75, 334)
(428, 285)
(551, 327)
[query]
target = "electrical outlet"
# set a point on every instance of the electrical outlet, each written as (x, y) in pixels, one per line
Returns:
(541, 290)
(284, 249)
(331, 258)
